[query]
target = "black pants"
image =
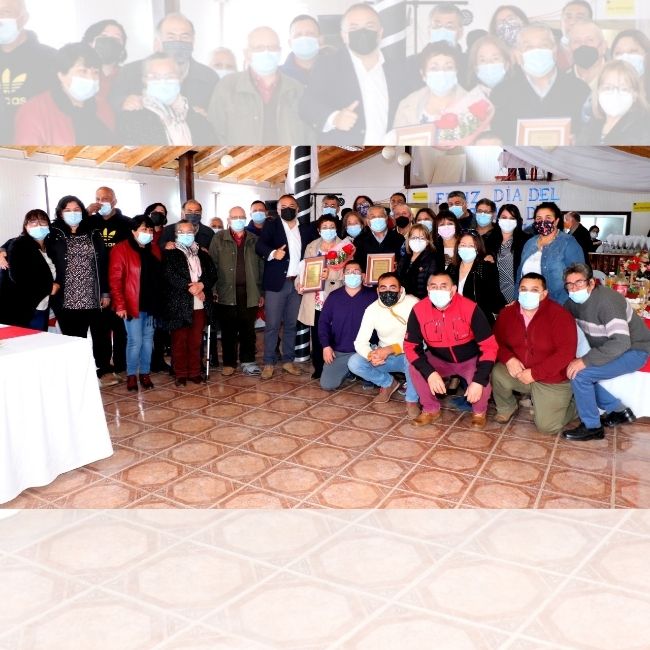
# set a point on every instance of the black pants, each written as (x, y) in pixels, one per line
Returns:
(215, 326)
(237, 326)
(316, 347)
(76, 322)
(110, 343)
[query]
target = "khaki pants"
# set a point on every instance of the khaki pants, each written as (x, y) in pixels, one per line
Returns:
(553, 404)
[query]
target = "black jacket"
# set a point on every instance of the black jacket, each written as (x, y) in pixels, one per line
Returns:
(366, 244)
(414, 277)
(482, 286)
(519, 238)
(583, 238)
(178, 302)
(271, 238)
(333, 85)
(113, 230)
(632, 128)
(31, 277)
(203, 236)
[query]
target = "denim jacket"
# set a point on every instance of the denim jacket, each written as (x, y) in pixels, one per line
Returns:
(560, 253)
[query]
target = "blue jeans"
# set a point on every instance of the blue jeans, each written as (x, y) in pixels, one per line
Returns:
(139, 344)
(380, 375)
(281, 307)
(590, 395)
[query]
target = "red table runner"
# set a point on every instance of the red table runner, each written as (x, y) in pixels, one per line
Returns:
(13, 332)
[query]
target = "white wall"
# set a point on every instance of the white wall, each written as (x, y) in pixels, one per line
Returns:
(22, 188)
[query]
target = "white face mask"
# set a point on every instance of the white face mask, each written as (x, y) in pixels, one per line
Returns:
(9, 31)
(615, 103)
(417, 245)
(447, 231)
(442, 82)
(637, 61)
(440, 297)
(222, 72)
(507, 225)
(82, 89)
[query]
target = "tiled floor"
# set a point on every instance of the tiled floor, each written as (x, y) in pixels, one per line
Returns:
(244, 443)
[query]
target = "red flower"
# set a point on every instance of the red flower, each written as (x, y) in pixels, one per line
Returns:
(633, 266)
(348, 249)
(447, 121)
(331, 255)
(480, 110)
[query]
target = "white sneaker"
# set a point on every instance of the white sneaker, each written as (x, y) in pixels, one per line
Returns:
(251, 369)
(108, 380)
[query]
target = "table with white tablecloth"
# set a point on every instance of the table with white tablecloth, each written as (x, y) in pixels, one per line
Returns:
(52, 418)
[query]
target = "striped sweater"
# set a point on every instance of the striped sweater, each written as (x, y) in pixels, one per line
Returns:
(610, 325)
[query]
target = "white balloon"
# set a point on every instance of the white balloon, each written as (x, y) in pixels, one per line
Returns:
(227, 161)
(404, 159)
(388, 153)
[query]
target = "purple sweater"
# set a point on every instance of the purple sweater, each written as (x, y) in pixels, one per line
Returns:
(341, 316)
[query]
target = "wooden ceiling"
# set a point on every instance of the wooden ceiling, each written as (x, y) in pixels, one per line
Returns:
(251, 164)
(644, 152)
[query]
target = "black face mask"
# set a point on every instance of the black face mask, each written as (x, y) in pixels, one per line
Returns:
(288, 214)
(402, 222)
(109, 49)
(158, 218)
(585, 56)
(181, 51)
(363, 41)
(389, 298)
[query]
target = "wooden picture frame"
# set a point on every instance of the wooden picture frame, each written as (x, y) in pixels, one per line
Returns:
(555, 132)
(312, 278)
(377, 265)
(420, 135)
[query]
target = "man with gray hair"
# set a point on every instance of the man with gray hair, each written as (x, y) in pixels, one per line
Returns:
(175, 35)
(537, 89)
(619, 344)
(191, 211)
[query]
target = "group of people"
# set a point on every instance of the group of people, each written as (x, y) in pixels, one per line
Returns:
(354, 94)
(472, 301)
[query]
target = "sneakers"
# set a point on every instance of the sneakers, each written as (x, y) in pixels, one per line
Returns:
(250, 369)
(227, 371)
(108, 380)
(267, 372)
(291, 368)
(424, 419)
(386, 393)
(145, 382)
(412, 409)
(132, 383)
(581, 433)
(618, 417)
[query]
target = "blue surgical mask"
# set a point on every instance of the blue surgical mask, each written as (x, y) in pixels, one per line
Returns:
(440, 297)
(439, 34)
(529, 299)
(164, 90)
(637, 61)
(305, 47)
(39, 233)
(427, 224)
(378, 224)
(491, 74)
(145, 238)
(467, 254)
(329, 211)
(265, 63)
(83, 89)
(72, 218)
(258, 217)
(579, 297)
(456, 210)
(483, 219)
(9, 31)
(354, 231)
(185, 239)
(538, 62)
(105, 208)
(328, 234)
(352, 280)
(238, 225)
(442, 82)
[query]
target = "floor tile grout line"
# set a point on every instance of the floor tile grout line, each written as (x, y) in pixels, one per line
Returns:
(546, 473)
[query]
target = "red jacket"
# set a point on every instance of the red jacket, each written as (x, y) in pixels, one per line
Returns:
(458, 333)
(124, 277)
(546, 347)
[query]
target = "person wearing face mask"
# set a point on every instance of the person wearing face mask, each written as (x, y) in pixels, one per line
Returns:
(133, 274)
(361, 205)
(191, 211)
(352, 225)
(352, 95)
(166, 118)
(403, 218)
(67, 113)
(536, 89)
(449, 232)
(174, 36)
(387, 316)
(377, 238)
(459, 342)
(506, 23)
(238, 292)
(550, 251)
(260, 104)
(81, 262)
(537, 340)
(312, 303)
(573, 13)
(223, 62)
(486, 211)
(618, 342)
(619, 108)
(508, 243)
(25, 63)
(427, 217)
(594, 231)
(305, 42)
(106, 217)
(216, 224)
(188, 277)
(33, 275)
(489, 64)
(108, 38)
(588, 49)
(457, 205)
(259, 215)
(421, 259)
(633, 47)
(282, 245)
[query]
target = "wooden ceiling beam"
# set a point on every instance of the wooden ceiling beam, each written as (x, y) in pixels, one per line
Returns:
(108, 154)
(30, 151)
(260, 165)
(166, 156)
(644, 152)
(140, 154)
(72, 153)
(240, 156)
(208, 159)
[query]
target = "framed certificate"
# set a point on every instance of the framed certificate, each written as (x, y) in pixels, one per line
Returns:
(421, 135)
(377, 265)
(544, 133)
(312, 279)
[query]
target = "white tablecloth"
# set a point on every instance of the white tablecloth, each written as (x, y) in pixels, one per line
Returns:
(51, 415)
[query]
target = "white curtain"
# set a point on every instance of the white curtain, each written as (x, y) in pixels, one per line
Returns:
(603, 168)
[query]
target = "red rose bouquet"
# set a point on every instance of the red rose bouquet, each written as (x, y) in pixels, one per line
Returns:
(464, 121)
(339, 255)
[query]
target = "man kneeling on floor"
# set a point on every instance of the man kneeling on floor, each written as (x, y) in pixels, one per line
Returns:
(620, 343)
(458, 341)
(387, 316)
(537, 340)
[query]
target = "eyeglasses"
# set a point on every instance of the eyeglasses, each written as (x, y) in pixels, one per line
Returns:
(352, 273)
(579, 284)
(417, 238)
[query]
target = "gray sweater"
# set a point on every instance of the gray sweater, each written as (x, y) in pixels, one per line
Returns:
(610, 325)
